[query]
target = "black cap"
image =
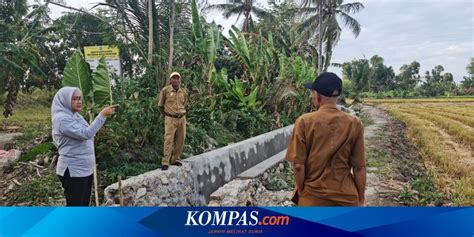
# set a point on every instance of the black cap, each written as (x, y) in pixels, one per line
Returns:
(327, 84)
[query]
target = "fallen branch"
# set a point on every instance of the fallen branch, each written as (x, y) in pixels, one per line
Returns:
(38, 172)
(53, 162)
(16, 182)
(35, 165)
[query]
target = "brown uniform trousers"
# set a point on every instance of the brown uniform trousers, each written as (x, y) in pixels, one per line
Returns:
(175, 132)
(174, 103)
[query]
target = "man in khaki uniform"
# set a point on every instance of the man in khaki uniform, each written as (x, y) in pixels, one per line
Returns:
(172, 103)
(327, 150)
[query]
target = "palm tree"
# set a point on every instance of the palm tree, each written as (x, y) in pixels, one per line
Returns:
(332, 11)
(239, 7)
(153, 24)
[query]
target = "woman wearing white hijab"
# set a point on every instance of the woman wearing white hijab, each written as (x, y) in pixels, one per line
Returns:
(74, 138)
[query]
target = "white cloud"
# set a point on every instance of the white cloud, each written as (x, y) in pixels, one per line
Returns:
(438, 33)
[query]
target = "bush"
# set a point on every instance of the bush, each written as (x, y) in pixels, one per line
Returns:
(37, 150)
(128, 169)
(196, 139)
(248, 122)
(421, 192)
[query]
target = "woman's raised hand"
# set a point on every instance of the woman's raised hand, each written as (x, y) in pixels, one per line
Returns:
(109, 110)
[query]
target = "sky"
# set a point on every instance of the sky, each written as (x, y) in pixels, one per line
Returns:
(436, 32)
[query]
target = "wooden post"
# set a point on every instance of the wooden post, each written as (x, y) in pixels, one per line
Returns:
(96, 189)
(120, 190)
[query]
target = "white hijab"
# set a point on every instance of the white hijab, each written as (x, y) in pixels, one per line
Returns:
(61, 108)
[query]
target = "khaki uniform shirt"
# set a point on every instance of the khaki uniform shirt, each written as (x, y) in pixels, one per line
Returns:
(173, 101)
(314, 143)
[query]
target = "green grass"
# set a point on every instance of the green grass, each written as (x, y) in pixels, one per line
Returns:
(421, 192)
(31, 110)
(29, 117)
(41, 191)
(37, 150)
(366, 120)
(376, 157)
(127, 170)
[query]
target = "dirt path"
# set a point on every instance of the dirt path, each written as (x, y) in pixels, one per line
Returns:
(392, 162)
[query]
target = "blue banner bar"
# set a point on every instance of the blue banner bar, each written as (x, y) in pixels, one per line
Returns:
(237, 221)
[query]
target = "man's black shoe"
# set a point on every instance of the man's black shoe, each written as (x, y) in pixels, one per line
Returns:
(164, 167)
(177, 163)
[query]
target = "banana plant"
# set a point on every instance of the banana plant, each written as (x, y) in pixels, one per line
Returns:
(77, 74)
(96, 88)
(102, 88)
(255, 53)
(205, 46)
(235, 93)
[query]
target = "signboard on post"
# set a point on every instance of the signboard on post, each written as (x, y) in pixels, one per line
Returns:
(92, 54)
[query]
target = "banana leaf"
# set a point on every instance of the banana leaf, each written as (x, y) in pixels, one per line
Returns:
(197, 28)
(101, 84)
(77, 74)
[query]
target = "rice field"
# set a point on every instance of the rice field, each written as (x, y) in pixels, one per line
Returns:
(443, 130)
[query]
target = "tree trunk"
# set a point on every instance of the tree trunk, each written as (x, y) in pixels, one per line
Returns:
(320, 41)
(172, 20)
(150, 33)
(208, 75)
(246, 22)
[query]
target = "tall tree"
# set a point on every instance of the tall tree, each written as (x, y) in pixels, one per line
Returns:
(381, 77)
(75, 30)
(241, 7)
(206, 41)
(357, 72)
(332, 10)
(468, 82)
(171, 40)
(22, 49)
(134, 16)
(150, 11)
(437, 83)
(408, 78)
(280, 27)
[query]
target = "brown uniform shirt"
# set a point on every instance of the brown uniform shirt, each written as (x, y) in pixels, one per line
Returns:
(173, 101)
(314, 143)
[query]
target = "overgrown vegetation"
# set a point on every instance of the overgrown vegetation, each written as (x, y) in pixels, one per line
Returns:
(282, 180)
(42, 191)
(242, 83)
(421, 192)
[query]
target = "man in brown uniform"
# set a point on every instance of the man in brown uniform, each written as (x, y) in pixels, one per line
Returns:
(325, 146)
(172, 103)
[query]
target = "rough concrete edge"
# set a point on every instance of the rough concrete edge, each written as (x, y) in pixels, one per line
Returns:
(111, 191)
(220, 151)
(204, 157)
(266, 164)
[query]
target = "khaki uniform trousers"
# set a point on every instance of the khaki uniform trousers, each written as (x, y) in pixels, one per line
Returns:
(307, 199)
(175, 133)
